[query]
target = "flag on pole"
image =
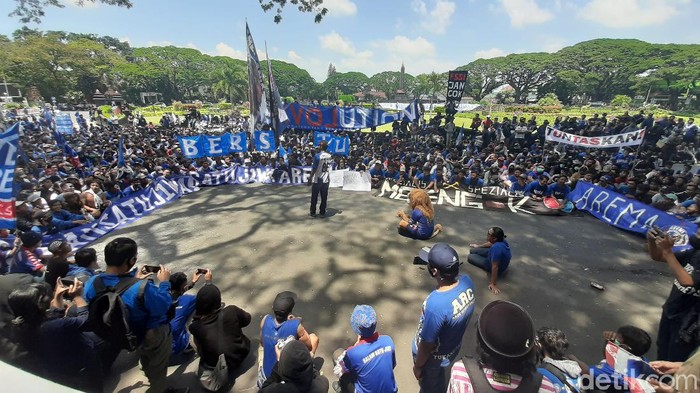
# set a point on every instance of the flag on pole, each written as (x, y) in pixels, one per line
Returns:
(120, 154)
(278, 114)
(9, 143)
(72, 154)
(256, 90)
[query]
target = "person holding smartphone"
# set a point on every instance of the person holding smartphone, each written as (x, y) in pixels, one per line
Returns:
(182, 309)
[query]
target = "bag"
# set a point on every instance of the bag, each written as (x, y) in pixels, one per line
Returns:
(528, 384)
(558, 377)
(213, 379)
(108, 317)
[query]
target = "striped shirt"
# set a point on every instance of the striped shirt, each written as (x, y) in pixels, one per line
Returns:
(461, 383)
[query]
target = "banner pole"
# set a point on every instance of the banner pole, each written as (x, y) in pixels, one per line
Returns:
(639, 149)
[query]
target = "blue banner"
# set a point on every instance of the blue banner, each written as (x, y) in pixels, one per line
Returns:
(64, 124)
(326, 118)
(215, 145)
(9, 142)
(629, 214)
(336, 144)
(265, 141)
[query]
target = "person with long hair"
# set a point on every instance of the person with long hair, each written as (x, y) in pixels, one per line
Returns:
(420, 225)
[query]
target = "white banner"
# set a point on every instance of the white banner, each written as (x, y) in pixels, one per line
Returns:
(337, 178)
(357, 181)
(599, 142)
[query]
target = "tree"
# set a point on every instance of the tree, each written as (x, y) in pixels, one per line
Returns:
(621, 100)
(524, 72)
(390, 81)
(345, 83)
(331, 70)
(483, 76)
(232, 82)
(29, 11)
(294, 81)
(550, 99)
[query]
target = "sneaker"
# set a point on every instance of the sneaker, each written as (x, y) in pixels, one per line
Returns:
(322, 215)
(312, 214)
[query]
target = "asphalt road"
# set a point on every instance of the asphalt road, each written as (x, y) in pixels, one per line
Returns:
(259, 240)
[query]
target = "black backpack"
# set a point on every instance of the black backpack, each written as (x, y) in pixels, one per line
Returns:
(108, 317)
(528, 384)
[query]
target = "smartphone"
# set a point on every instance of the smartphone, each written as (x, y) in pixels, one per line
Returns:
(202, 271)
(657, 231)
(66, 282)
(151, 269)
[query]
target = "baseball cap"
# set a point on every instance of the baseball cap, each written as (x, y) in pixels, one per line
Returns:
(441, 256)
(363, 320)
(284, 302)
(505, 329)
(33, 198)
(19, 203)
(30, 239)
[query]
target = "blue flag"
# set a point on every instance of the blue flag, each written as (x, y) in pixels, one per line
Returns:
(120, 154)
(265, 141)
(283, 152)
(9, 143)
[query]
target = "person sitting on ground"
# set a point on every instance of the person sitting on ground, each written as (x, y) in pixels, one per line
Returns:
(559, 190)
(294, 371)
(85, 265)
(27, 259)
(183, 308)
(57, 265)
(277, 327)
(505, 354)
(493, 256)
(62, 219)
(563, 370)
(368, 365)
(218, 336)
(420, 224)
(537, 188)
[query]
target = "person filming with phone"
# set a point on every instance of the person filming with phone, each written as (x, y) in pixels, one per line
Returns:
(679, 330)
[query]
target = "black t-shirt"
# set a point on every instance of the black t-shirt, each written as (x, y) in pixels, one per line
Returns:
(683, 299)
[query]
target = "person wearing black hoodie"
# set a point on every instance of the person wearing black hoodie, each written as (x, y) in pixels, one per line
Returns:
(217, 330)
(294, 372)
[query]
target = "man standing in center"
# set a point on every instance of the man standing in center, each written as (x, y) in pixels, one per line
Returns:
(446, 313)
(320, 179)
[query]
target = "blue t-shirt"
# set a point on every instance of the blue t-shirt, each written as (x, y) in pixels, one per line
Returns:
(372, 361)
(420, 225)
(444, 319)
(558, 192)
(184, 308)
(478, 182)
(500, 252)
(517, 188)
(271, 332)
(535, 189)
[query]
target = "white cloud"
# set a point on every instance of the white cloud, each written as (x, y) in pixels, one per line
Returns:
(527, 12)
(489, 53)
(404, 46)
(438, 19)
(158, 43)
(222, 49)
(293, 56)
(630, 13)
(551, 44)
(191, 46)
(336, 43)
(340, 7)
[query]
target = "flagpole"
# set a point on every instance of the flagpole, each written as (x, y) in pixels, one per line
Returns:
(274, 115)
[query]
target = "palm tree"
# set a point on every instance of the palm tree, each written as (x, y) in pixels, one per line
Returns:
(233, 83)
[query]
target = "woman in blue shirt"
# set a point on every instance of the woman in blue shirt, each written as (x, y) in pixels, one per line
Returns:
(420, 224)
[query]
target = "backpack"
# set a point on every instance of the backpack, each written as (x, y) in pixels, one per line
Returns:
(558, 377)
(108, 317)
(528, 384)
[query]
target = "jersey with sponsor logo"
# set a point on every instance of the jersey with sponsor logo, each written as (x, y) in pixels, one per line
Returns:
(444, 319)
(372, 361)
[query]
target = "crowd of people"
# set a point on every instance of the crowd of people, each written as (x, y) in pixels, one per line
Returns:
(56, 191)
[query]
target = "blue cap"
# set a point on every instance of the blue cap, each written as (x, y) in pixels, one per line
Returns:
(363, 320)
(441, 256)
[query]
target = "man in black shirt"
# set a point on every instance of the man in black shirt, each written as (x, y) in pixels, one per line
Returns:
(679, 331)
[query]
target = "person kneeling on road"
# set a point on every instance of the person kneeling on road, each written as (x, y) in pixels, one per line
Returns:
(493, 256)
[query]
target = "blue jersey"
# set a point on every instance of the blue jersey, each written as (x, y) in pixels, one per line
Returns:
(372, 361)
(517, 188)
(469, 182)
(500, 252)
(558, 192)
(444, 319)
(420, 225)
(271, 332)
(535, 189)
(184, 308)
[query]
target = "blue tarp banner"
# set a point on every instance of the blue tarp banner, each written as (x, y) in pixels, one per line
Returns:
(9, 141)
(628, 214)
(265, 141)
(64, 124)
(221, 145)
(336, 144)
(327, 118)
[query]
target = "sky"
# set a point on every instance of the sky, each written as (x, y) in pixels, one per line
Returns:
(372, 36)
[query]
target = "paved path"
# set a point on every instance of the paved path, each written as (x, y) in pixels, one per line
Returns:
(259, 241)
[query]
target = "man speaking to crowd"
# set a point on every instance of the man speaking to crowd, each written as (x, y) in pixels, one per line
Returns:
(320, 179)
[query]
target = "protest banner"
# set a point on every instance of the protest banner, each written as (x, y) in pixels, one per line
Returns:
(9, 142)
(221, 145)
(628, 214)
(485, 198)
(357, 181)
(600, 142)
(456, 81)
(64, 124)
(336, 144)
(337, 178)
(329, 118)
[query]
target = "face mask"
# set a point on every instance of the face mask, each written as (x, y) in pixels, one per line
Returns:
(694, 241)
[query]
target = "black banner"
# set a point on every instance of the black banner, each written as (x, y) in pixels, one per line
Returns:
(485, 198)
(456, 82)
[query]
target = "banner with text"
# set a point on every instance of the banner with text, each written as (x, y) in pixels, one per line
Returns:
(328, 118)
(336, 144)
(456, 81)
(628, 214)
(221, 145)
(485, 198)
(9, 142)
(627, 139)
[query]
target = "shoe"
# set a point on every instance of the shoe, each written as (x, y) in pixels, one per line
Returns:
(312, 214)
(322, 215)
